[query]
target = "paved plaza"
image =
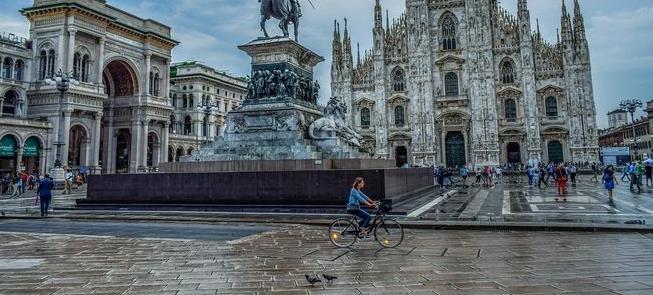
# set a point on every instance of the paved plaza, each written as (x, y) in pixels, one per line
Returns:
(512, 200)
(249, 259)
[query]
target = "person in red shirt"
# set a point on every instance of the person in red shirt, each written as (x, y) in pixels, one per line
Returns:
(23, 177)
(561, 176)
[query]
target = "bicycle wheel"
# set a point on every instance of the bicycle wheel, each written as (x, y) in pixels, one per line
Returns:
(389, 233)
(343, 233)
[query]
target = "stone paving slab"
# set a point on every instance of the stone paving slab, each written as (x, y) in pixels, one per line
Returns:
(428, 262)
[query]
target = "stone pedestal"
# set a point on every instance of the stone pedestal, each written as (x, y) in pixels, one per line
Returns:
(58, 175)
(273, 122)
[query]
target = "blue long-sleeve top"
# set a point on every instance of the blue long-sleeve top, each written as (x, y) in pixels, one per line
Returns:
(356, 197)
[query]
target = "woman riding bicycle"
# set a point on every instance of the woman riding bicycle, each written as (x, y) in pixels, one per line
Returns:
(357, 197)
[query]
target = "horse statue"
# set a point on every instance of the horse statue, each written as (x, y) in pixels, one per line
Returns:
(287, 11)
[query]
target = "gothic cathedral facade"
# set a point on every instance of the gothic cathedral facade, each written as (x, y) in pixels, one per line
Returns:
(464, 82)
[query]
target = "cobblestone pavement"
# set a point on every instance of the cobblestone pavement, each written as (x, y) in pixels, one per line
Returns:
(514, 200)
(274, 262)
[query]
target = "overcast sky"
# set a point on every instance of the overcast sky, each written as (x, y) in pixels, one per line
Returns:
(620, 34)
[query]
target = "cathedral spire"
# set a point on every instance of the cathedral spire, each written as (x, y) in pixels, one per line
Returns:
(387, 21)
(378, 15)
(522, 9)
(539, 35)
(358, 54)
(565, 25)
(348, 58)
(579, 23)
(336, 63)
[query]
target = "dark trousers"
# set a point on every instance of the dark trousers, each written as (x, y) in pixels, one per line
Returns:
(573, 178)
(45, 204)
(539, 183)
(634, 181)
(365, 217)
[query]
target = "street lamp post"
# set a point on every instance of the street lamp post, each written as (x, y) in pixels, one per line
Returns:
(62, 81)
(206, 110)
(631, 106)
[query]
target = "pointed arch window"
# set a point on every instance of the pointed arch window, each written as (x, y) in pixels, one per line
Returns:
(448, 33)
(51, 59)
(185, 99)
(511, 110)
(400, 116)
(190, 101)
(86, 61)
(507, 73)
(77, 65)
(551, 107)
(399, 81)
(171, 127)
(451, 84)
(365, 118)
(43, 65)
(174, 100)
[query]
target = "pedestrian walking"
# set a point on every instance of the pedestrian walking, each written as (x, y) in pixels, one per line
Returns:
(626, 172)
(68, 182)
(464, 173)
(573, 171)
(595, 172)
(44, 193)
(648, 170)
(561, 181)
(632, 173)
(479, 175)
(609, 180)
(542, 178)
(16, 187)
(530, 175)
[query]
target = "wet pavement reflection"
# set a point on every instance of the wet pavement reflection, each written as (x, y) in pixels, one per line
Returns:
(276, 261)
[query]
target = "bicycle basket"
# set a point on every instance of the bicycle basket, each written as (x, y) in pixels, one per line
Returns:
(385, 206)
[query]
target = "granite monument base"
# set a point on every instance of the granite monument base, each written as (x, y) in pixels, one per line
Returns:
(279, 188)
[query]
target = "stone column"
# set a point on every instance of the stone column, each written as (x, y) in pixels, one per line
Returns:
(146, 72)
(19, 157)
(65, 137)
(156, 154)
(212, 127)
(42, 162)
(2, 103)
(166, 80)
(164, 142)
(60, 54)
(71, 50)
(95, 162)
(100, 60)
(145, 134)
(86, 155)
(134, 151)
(108, 164)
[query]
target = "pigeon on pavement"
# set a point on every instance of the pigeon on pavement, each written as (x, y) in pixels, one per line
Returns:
(312, 279)
(329, 278)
